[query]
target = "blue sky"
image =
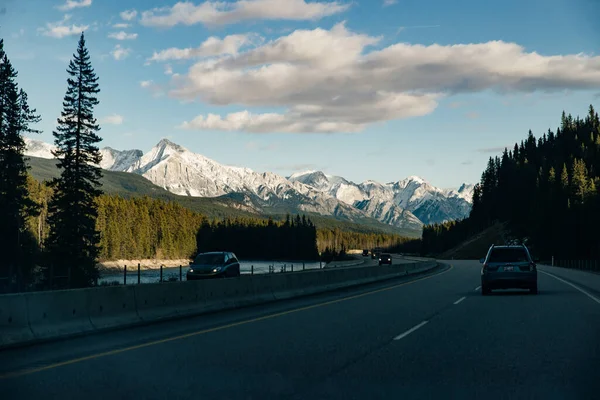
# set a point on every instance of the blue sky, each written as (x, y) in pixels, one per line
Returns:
(353, 88)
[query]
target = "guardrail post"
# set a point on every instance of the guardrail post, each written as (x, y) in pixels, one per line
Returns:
(125, 275)
(292, 267)
(160, 273)
(138, 273)
(302, 266)
(553, 261)
(52, 276)
(252, 270)
(180, 272)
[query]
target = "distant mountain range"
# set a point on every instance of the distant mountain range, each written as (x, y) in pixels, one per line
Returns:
(406, 204)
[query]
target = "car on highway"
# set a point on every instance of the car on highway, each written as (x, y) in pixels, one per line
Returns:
(365, 253)
(221, 264)
(385, 258)
(508, 267)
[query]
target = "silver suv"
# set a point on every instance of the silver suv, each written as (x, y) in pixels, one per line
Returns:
(508, 267)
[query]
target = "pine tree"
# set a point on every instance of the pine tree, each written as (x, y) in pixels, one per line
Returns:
(73, 239)
(15, 203)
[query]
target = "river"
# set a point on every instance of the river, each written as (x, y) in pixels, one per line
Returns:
(246, 267)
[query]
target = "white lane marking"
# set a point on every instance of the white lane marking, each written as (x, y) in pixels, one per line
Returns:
(591, 296)
(411, 330)
(477, 288)
(459, 300)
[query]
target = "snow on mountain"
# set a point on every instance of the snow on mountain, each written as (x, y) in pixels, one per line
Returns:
(37, 148)
(393, 201)
(408, 203)
(182, 172)
(466, 192)
(116, 160)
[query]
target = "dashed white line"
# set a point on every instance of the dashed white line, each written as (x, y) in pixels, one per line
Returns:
(411, 330)
(477, 288)
(573, 286)
(459, 300)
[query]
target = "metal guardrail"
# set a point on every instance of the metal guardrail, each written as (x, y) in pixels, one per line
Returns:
(582, 265)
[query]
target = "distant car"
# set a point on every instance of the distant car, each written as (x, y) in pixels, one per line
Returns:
(220, 264)
(508, 267)
(374, 254)
(385, 259)
(365, 253)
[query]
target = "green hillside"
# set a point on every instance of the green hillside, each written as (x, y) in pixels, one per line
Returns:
(129, 185)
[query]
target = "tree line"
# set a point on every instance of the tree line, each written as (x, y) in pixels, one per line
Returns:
(295, 238)
(545, 189)
(336, 240)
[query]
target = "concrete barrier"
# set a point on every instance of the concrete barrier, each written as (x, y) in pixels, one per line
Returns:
(14, 321)
(112, 306)
(156, 301)
(59, 313)
(261, 288)
(27, 317)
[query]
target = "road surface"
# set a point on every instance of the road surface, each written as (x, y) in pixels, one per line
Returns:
(435, 337)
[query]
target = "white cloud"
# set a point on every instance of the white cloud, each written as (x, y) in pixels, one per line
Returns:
(325, 80)
(71, 4)
(120, 53)
(222, 13)
(387, 3)
(121, 26)
(212, 46)
(122, 35)
(60, 29)
(168, 69)
(128, 15)
(146, 84)
(114, 119)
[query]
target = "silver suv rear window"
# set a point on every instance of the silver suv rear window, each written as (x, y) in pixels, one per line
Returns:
(516, 254)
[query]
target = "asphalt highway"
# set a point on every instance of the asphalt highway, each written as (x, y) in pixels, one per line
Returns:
(432, 336)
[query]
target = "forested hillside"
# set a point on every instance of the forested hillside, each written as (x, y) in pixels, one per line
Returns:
(545, 188)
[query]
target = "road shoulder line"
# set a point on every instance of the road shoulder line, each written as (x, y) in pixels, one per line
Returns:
(591, 296)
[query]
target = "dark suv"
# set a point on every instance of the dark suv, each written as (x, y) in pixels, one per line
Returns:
(385, 259)
(508, 267)
(220, 264)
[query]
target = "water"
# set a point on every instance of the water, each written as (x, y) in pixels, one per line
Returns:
(153, 275)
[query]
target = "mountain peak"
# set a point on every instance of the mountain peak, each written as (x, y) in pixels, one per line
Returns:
(166, 143)
(302, 173)
(415, 178)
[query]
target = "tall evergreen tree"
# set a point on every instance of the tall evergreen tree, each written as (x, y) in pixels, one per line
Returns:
(73, 239)
(15, 203)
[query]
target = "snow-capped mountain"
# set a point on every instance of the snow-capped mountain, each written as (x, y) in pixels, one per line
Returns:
(37, 148)
(413, 194)
(182, 172)
(406, 204)
(117, 160)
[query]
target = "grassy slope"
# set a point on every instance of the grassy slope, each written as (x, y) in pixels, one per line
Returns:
(127, 185)
(477, 246)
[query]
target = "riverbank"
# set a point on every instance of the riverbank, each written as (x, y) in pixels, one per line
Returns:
(146, 264)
